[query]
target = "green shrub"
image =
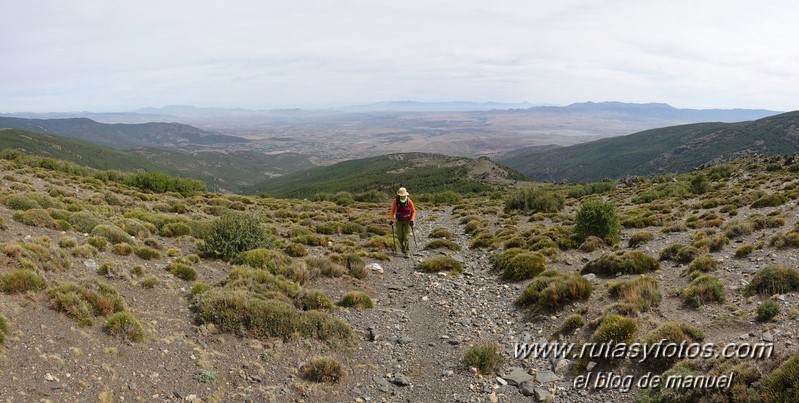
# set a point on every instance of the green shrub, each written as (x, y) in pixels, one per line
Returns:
(615, 328)
(772, 200)
(442, 243)
(571, 324)
(268, 259)
(325, 267)
(3, 329)
(679, 253)
(97, 242)
(441, 233)
(592, 243)
(672, 332)
(774, 279)
(67, 242)
(296, 250)
(551, 290)
(482, 240)
(234, 233)
(147, 253)
(322, 370)
(702, 290)
(112, 233)
(182, 271)
(199, 288)
(137, 270)
(485, 357)
(21, 202)
(590, 188)
(631, 262)
(523, 266)
(160, 183)
(639, 238)
(124, 326)
(357, 299)
(781, 240)
(84, 301)
(149, 282)
(84, 221)
(744, 250)
(700, 184)
(21, 280)
(767, 310)
(704, 263)
(441, 263)
(35, 218)
(245, 313)
(534, 200)
(598, 219)
(314, 300)
(175, 229)
(122, 249)
(782, 384)
(640, 294)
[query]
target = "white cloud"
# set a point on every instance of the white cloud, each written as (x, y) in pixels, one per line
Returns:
(262, 54)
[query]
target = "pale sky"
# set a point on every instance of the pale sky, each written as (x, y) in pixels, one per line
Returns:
(113, 55)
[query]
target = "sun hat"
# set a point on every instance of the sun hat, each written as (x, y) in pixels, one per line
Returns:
(402, 192)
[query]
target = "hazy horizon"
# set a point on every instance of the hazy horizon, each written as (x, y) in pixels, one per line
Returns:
(102, 57)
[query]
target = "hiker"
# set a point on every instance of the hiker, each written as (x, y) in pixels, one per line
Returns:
(403, 211)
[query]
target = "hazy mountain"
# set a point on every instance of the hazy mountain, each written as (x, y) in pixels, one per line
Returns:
(659, 110)
(669, 149)
(124, 136)
(189, 110)
(416, 106)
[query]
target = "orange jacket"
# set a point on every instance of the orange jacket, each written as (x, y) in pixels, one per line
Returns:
(393, 216)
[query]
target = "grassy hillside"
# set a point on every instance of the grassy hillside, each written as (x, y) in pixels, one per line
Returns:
(419, 172)
(670, 149)
(77, 151)
(123, 136)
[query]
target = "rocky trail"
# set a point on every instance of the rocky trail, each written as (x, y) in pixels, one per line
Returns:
(424, 322)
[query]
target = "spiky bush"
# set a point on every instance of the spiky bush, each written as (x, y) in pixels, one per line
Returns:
(640, 294)
(767, 310)
(523, 266)
(616, 328)
(599, 219)
(35, 218)
(182, 271)
(441, 233)
(672, 332)
(704, 263)
(314, 300)
(441, 263)
(84, 221)
(702, 290)
(147, 253)
(357, 299)
(631, 262)
(21, 280)
(782, 384)
(124, 326)
(175, 229)
(774, 279)
(744, 250)
(442, 243)
(234, 233)
(534, 200)
(485, 357)
(3, 329)
(551, 290)
(112, 234)
(571, 324)
(322, 370)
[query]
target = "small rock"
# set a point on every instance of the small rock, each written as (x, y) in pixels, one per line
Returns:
(90, 264)
(546, 377)
(590, 276)
(527, 388)
(517, 375)
(744, 336)
(375, 267)
(132, 386)
(400, 380)
(590, 366)
(542, 394)
(562, 366)
(502, 381)
(404, 340)
(493, 398)
(448, 372)
(49, 377)
(767, 337)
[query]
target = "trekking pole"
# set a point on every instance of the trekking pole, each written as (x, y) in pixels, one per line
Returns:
(414, 239)
(393, 238)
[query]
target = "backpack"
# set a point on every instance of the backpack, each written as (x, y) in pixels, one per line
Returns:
(404, 211)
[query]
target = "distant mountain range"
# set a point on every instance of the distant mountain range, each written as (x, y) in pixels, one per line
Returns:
(124, 136)
(658, 151)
